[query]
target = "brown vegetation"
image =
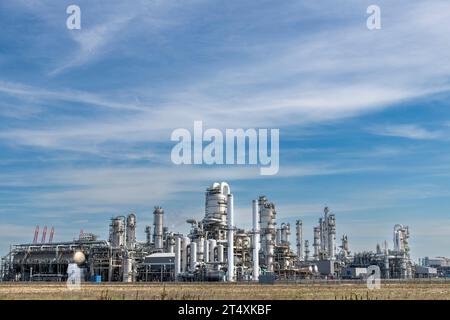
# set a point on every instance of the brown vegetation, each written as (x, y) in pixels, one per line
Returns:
(223, 291)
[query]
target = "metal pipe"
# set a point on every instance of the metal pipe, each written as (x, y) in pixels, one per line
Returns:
(255, 241)
(299, 235)
(184, 256)
(230, 249)
(205, 250)
(177, 256)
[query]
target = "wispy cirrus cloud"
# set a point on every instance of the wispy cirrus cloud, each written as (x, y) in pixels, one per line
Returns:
(93, 42)
(408, 131)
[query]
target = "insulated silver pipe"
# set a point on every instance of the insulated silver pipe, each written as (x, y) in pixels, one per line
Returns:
(230, 220)
(177, 256)
(255, 241)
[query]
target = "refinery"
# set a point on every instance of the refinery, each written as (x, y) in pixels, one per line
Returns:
(215, 249)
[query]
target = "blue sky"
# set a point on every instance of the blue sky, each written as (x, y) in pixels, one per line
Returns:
(86, 115)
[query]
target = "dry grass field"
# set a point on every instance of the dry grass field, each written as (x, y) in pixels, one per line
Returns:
(222, 291)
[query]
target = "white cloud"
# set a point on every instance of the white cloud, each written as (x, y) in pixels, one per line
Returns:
(409, 131)
(93, 41)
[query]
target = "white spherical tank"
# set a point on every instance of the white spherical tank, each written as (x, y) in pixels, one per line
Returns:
(79, 257)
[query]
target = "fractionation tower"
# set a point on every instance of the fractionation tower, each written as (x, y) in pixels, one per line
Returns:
(214, 249)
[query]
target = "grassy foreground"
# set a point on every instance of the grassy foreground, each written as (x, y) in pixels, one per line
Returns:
(223, 291)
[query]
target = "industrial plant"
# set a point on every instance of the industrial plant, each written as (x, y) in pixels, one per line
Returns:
(215, 249)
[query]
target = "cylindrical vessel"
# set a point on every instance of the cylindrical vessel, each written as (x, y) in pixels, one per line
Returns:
(128, 270)
(331, 236)
(193, 255)
(216, 204)
(220, 257)
(131, 231)
(117, 236)
(212, 248)
(278, 242)
(158, 215)
(316, 243)
(306, 250)
(200, 249)
(148, 233)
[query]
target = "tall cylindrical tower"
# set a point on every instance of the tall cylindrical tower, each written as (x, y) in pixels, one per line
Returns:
(299, 239)
(131, 231)
(158, 216)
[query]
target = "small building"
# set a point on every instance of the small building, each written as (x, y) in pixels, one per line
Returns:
(325, 267)
(159, 267)
(354, 273)
(426, 272)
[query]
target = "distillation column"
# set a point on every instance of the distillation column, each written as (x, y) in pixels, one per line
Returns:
(131, 231)
(307, 250)
(331, 237)
(299, 235)
(316, 243)
(158, 224)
